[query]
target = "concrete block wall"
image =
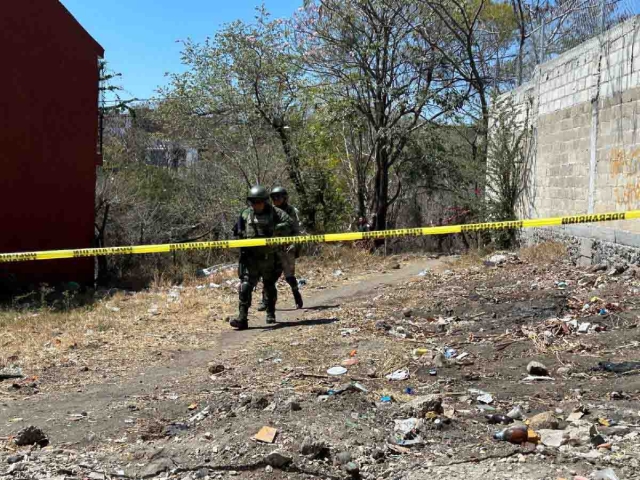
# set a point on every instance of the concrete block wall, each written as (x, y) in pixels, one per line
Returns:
(586, 105)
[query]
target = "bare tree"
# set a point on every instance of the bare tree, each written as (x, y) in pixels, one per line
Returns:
(366, 54)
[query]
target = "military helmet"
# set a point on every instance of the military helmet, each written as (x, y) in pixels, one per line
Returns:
(279, 191)
(258, 192)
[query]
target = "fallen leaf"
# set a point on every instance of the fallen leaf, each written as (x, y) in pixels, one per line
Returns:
(193, 406)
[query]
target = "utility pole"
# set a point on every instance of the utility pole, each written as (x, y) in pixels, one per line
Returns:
(542, 39)
(603, 15)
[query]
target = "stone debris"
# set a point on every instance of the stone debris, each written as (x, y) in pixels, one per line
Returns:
(31, 436)
(537, 369)
(278, 459)
(544, 421)
(156, 467)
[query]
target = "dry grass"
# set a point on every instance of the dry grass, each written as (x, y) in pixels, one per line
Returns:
(128, 329)
(544, 253)
(471, 258)
(117, 332)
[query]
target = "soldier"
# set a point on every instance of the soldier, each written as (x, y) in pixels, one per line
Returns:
(289, 253)
(260, 220)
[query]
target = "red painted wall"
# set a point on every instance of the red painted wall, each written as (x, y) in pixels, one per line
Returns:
(48, 137)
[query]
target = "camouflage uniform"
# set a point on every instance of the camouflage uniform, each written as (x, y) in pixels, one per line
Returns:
(287, 254)
(256, 262)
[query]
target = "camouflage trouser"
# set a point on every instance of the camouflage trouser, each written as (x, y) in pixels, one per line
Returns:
(252, 266)
(286, 265)
(288, 262)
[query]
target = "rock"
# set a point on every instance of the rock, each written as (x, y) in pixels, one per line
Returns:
(259, 402)
(278, 459)
(268, 469)
(215, 369)
(575, 417)
(382, 325)
(584, 327)
(342, 458)
(96, 476)
(31, 436)
(617, 396)
(618, 269)
(498, 259)
(156, 467)
(10, 373)
(395, 266)
(620, 430)
(353, 469)
(407, 312)
(544, 421)
(15, 459)
(314, 449)
(174, 429)
(537, 369)
(378, 454)
(601, 267)
(606, 474)
(422, 405)
(203, 472)
(551, 438)
(372, 373)
(16, 467)
(563, 371)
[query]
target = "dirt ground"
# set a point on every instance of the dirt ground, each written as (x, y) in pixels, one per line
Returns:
(155, 384)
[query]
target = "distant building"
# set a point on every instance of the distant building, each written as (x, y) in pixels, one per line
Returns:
(49, 138)
(171, 154)
(154, 148)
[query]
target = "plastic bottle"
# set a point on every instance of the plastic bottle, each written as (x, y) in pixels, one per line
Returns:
(517, 434)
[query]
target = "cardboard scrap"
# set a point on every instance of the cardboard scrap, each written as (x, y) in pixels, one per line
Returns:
(266, 435)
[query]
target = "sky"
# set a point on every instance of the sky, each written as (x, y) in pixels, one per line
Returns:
(140, 36)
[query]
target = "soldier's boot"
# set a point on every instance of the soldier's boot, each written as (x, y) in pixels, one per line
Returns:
(271, 312)
(241, 322)
(262, 306)
(293, 283)
(271, 297)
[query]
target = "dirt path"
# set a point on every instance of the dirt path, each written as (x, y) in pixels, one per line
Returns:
(159, 392)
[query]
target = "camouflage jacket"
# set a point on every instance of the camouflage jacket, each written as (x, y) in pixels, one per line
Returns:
(271, 222)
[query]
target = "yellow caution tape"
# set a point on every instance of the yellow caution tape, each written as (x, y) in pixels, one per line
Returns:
(331, 237)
